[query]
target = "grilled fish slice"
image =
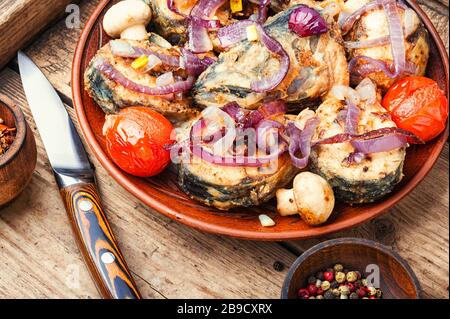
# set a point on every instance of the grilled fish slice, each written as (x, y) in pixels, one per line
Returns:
(356, 183)
(317, 63)
(225, 187)
(373, 25)
(111, 97)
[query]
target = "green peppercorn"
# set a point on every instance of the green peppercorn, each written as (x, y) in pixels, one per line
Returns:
(372, 291)
(354, 295)
(328, 295)
(325, 285)
(319, 275)
(312, 280)
(364, 282)
(336, 292)
(352, 276)
(318, 283)
(340, 277)
(319, 297)
(334, 284)
(344, 290)
(344, 296)
(379, 293)
(338, 268)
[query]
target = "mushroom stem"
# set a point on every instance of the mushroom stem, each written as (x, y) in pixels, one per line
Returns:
(136, 32)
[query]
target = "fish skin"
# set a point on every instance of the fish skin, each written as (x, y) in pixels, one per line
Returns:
(317, 63)
(112, 97)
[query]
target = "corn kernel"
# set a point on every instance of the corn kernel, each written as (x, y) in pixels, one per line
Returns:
(140, 62)
(252, 33)
(236, 6)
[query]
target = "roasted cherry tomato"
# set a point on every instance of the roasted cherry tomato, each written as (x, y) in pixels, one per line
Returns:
(137, 140)
(418, 105)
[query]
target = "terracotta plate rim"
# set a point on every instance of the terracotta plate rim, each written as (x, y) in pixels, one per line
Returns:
(267, 235)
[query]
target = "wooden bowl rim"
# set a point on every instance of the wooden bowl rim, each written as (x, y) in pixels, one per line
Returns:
(368, 244)
(21, 130)
(167, 210)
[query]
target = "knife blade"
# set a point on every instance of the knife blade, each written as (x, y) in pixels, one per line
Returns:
(75, 177)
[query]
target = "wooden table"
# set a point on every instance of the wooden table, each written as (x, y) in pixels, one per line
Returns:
(39, 257)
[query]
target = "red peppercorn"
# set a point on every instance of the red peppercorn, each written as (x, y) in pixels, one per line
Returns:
(303, 293)
(358, 275)
(351, 287)
(320, 291)
(361, 292)
(312, 289)
(372, 297)
(328, 276)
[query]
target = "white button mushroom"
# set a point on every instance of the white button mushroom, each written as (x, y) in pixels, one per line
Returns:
(128, 20)
(312, 197)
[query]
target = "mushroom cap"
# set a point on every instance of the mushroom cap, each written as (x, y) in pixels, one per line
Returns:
(124, 15)
(314, 198)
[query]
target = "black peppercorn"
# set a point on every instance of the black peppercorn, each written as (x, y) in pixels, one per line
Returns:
(354, 295)
(312, 280)
(319, 275)
(328, 295)
(334, 284)
(330, 270)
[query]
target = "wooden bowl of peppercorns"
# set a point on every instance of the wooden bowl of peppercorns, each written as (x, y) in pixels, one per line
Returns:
(18, 151)
(350, 268)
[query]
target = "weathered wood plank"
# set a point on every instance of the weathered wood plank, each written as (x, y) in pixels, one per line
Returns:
(417, 228)
(21, 20)
(168, 259)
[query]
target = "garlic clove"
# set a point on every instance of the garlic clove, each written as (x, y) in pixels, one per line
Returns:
(266, 221)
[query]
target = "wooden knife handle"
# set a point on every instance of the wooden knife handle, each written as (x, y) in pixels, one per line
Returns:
(97, 242)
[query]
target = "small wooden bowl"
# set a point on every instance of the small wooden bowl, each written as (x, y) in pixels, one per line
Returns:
(18, 163)
(397, 280)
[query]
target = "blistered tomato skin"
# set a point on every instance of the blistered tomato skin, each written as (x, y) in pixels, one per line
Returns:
(418, 105)
(137, 140)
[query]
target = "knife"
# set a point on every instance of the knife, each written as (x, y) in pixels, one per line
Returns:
(75, 177)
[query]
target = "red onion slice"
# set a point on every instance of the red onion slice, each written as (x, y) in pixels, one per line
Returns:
(234, 33)
(172, 7)
(367, 43)
(245, 118)
(306, 21)
(126, 50)
(263, 9)
(271, 82)
(396, 36)
(352, 118)
(114, 75)
(380, 144)
(300, 141)
(193, 64)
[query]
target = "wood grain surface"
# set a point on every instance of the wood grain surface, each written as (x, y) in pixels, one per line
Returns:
(39, 257)
(21, 20)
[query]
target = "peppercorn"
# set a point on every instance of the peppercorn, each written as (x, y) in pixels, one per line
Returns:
(365, 298)
(328, 276)
(361, 292)
(312, 289)
(340, 277)
(334, 284)
(344, 296)
(325, 285)
(303, 293)
(338, 268)
(357, 284)
(328, 295)
(379, 293)
(352, 276)
(344, 290)
(319, 275)
(330, 270)
(318, 283)
(372, 291)
(312, 280)
(320, 297)
(345, 271)
(320, 291)
(372, 297)
(358, 274)
(351, 287)
(336, 292)
(354, 295)
(364, 282)
(312, 297)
